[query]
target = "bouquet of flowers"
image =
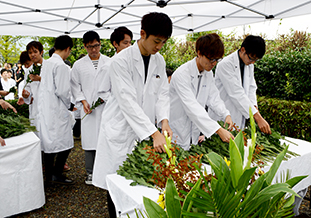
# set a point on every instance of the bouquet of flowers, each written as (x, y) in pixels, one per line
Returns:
(36, 69)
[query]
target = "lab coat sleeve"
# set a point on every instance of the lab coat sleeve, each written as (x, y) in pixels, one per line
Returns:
(75, 84)
(62, 84)
(163, 100)
(192, 107)
(234, 89)
(216, 103)
(125, 93)
(253, 88)
(28, 88)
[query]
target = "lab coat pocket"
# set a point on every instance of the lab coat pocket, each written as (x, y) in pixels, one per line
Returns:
(154, 85)
(117, 129)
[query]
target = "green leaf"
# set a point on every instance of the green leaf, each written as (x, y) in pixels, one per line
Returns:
(153, 209)
(236, 163)
(275, 166)
(239, 141)
(173, 207)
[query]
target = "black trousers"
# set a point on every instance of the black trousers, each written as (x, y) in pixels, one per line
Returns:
(77, 128)
(111, 207)
(54, 163)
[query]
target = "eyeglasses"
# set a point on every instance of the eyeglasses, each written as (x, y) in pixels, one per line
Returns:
(91, 47)
(252, 59)
(214, 60)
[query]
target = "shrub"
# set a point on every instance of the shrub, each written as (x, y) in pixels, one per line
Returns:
(291, 118)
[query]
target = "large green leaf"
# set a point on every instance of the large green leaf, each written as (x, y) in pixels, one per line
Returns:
(236, 163)
(239, 141)
(173, 207)
(153, 209)
(245, 178)
(218, 164)
(275, 166)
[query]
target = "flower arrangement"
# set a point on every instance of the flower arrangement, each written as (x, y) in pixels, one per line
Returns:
(231, 191)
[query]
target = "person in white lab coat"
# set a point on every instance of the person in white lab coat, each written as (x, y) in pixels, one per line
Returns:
(236, 83)
(30, 92)
(83, 87)
(139, 97)
(191, 89)
(54, 117)
(120, 39)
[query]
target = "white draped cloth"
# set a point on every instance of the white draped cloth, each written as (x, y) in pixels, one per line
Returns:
(21, 179)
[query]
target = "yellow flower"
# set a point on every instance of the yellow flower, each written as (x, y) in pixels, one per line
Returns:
(227, 161)
(260, 172)
(161, 201)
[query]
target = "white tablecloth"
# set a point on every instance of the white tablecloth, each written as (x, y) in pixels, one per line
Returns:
(126, 198)
(21, 180)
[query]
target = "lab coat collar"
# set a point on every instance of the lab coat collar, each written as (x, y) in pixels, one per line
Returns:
(139, 64)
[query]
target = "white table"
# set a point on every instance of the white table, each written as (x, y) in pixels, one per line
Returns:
(21, 180)
(126, 198)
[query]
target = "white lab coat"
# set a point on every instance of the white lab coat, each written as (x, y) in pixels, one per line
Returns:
(188, 116)
(83, 87)
(6, 85)
(131, 110)
(237, 98)
(53, 104)
(33, 88)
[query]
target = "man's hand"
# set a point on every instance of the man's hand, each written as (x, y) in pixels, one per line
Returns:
(20, 101)
(262, 123)
(4, 93)
(225, 135)
(158, 141)
(201, 138)
(166, 127)
(25, 93)
(86, 107)
(2, 142)
(229, 121)
(35, 77)
(5, 105)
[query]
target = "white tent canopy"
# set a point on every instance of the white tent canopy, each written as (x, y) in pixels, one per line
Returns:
(75, 17)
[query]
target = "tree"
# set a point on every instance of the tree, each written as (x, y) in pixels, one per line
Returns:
(10, 48)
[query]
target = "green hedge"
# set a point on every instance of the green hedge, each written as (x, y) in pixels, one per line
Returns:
(285, 75)
(291, 118)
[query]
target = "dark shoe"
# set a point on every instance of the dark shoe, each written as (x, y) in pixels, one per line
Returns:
(62, 180)
(66, 168)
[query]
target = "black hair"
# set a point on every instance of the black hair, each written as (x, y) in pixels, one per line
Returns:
(157, 24)
(3, 70)
(210, 46)
(51, 51)
(34, 44)
(169, 72)
(90, 36)
(254, 45)
(63, 42)
(119, 34)
(24, 57)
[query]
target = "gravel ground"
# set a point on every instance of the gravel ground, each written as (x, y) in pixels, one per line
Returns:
(81, 200)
